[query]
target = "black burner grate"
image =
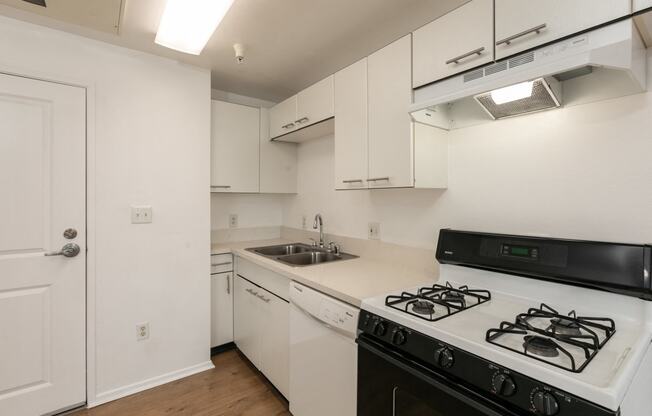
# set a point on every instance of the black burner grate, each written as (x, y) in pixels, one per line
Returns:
(453, 300)
(578, 331)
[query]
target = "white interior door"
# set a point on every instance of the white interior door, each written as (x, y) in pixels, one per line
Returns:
(42, 298)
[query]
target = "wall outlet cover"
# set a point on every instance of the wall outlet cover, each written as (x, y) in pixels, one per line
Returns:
(374, 231)
(141, 214)
(142, 331)
(233, 220)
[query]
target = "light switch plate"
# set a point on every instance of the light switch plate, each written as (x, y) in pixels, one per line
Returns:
(141, 214)
(374, 231)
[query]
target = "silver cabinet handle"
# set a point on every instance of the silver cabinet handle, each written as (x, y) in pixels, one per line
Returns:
(228, 284)
(287, 126)
(386, 178)
(252, 292)
(221, 264)
(263, 298)
(457, 59)
(221, 186)
(301, 120)
(352, 181)
(509, 40)
(68, 250)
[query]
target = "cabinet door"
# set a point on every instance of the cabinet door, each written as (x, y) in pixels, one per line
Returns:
(524, 24)
(456, 42)
(246, 319)
(278, 162)
(351, 135)
(282, 117)
(390, 125)
(275, 345)
(315, 103)
(221, 309)
(235, 132)
(642, 4)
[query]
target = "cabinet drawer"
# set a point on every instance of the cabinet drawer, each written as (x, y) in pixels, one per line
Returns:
(525, 24)
(270, 281)
(438, 55)
(221, 263)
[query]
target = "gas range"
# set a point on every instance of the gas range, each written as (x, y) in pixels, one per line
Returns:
(499, 329)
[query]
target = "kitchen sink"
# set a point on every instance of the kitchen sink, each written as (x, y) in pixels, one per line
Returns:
(284, 250)
(300, 254)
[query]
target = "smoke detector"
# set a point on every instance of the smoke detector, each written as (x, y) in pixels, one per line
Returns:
(239, 52)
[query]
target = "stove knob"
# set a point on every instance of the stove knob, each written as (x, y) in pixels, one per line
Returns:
(545, 403)
(399, 337)
(503, 385)
(380, 329)
(444, 357)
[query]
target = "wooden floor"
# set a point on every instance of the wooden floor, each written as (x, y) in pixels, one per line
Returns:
(233, 388)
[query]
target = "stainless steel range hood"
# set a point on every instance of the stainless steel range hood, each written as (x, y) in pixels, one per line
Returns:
(605, 63)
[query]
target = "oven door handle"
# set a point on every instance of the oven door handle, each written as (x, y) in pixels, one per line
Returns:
(469, 397)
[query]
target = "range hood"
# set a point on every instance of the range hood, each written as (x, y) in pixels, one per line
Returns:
(604, 63)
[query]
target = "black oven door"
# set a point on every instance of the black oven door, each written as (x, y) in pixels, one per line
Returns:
(392, 385)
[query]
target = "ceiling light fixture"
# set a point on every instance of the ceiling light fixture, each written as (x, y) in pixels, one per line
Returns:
(187, 25)
(512, 93)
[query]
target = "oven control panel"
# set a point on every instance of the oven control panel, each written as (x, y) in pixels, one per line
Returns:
(499, 384)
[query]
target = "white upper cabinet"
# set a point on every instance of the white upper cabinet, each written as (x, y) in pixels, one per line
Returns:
(310, 106)
(351, 127)
(235, 135)
(456, 42)
(390, 125)
(315, 103)
(642, 5)
(282, 117)
(524, 24)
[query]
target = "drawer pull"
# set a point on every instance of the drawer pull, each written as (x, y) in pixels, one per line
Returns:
(287, 126)
(352, 181)
(221, 186)
(509, 40)
(221, 264)
(457, 60)
(302, 120)
(386, 178)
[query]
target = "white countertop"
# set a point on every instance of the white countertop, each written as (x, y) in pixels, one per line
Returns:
(350, 281)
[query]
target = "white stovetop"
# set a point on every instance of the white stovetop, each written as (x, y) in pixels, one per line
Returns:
(606, 378)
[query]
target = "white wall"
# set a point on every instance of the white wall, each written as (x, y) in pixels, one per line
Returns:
(252, 210)
(149, 139)
(580, 172)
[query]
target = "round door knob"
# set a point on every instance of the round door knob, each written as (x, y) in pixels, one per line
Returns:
(380, 329)
(444, 357)
(399, 337)
(545, 403)
(503, 385)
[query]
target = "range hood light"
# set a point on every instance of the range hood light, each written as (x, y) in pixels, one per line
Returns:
(187, 25)
(512, 93)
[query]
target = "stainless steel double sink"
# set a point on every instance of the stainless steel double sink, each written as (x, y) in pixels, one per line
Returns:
(300, 254)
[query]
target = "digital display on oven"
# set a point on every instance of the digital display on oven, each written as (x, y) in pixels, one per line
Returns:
(526, 252)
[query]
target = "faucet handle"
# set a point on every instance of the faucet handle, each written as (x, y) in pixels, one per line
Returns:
(314, 242)
(333, 248)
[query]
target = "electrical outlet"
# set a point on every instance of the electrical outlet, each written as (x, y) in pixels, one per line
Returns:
(141, 214)
(374, 231)
(304, 222)
(142, 331)
(233, 220)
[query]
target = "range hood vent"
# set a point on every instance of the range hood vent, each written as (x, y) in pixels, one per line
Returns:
(605, 63)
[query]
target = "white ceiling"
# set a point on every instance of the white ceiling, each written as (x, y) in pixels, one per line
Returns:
(289, 44)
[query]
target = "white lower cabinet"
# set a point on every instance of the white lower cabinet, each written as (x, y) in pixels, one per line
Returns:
(262, 323)
(221, 309)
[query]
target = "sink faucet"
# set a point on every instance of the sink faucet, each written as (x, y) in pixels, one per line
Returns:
(319, 222)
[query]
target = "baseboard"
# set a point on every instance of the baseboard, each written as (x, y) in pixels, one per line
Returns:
(222, 348)
(130, 389)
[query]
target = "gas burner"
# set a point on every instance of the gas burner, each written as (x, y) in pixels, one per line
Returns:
(566, 341)
(423, 307)
(435, 302)
(544, 347)
(564, 326)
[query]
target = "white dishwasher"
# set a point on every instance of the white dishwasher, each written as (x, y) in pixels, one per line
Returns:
(323, 354)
